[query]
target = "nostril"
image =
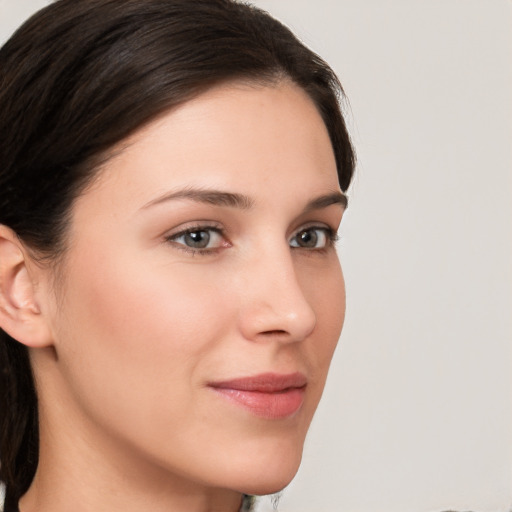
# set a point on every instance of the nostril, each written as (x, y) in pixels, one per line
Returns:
(274, 332)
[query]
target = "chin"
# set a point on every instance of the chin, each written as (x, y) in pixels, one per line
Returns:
(267, 487)
(270, 477)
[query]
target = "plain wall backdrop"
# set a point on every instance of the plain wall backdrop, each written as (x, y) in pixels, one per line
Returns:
(417, 413)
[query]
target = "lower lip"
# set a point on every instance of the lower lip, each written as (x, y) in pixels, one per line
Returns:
(278, 405)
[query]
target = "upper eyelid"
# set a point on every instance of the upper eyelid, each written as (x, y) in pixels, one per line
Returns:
(312, 225)
(331, 232)
(215, 226)
(200, 226)
(220, 229)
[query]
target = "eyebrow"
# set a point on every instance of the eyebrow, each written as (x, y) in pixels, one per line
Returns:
(327, 200)
(241, 201)
(207, 196)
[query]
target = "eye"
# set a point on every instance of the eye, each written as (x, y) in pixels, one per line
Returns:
(200, 238)
(313, 238)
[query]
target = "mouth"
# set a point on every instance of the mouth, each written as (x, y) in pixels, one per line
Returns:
(268, 395)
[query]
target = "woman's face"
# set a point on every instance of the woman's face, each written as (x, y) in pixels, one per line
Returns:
(201, 296)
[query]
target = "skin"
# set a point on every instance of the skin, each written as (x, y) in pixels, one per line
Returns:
(139, 323)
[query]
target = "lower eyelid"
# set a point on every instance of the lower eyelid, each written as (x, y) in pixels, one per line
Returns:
(192, 229)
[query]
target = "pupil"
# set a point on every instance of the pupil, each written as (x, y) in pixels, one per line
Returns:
(308, 238)
(197, 239)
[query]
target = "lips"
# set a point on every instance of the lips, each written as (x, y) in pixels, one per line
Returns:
(268, 395)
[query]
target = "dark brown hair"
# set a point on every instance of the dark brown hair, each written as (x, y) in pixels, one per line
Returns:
(79, 77)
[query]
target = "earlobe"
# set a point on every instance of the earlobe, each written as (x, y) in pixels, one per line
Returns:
(20, 314)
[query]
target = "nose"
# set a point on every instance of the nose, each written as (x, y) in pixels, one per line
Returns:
(274, 305)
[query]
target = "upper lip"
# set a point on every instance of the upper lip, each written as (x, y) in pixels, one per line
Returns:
(264, 382)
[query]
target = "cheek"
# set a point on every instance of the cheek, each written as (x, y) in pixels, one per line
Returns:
(143, 333)
(327, 296)
(144, 303)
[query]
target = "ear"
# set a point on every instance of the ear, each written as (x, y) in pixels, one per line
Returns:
(20, 315)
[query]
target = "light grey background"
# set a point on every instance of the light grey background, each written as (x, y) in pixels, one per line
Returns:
(417, 414)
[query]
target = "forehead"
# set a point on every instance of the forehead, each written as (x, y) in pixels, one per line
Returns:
(236, 137)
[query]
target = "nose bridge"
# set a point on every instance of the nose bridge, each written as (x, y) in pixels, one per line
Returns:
(275, 301)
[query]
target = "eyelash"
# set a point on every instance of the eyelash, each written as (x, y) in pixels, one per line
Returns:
(330, 235)
(195, 229)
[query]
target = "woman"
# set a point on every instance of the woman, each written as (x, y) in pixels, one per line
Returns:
(172, 179)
